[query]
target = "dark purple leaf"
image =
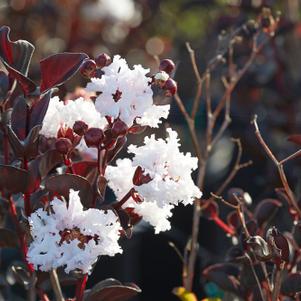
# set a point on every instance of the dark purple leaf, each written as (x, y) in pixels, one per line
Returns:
(19, 117)
(38, 110)
(61, 184)
(4, 85)
(27, 85)
(278, 244)
(58, 68)
(118, 147)
(8, 239)
(266, 210)
(27, 148)
(233, 220)
(13, 179)
(291, 284)
(86, 169)
(232, 192)
(112, 290)
(17, 54)
(43, 164)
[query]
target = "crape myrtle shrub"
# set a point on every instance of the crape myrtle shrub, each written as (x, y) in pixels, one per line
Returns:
(60, 154)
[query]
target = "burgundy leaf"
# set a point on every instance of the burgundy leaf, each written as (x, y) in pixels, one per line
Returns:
(112, 290)
(86, 169)
(61, 184)
(16, 54)
(291, 284)
(8, 239)
(43, 164)
(27, 85)
(58, 68)
(13, 179)
(118, 147)
(266, 210)
(38, 110)
(19, 118)
(295, 139)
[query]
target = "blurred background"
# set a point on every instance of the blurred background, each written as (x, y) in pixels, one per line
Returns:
(139, 30)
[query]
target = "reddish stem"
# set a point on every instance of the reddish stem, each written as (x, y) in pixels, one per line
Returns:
(80, 288)
(21, 235)
(223, 226)
(27, 206)
(124, 199)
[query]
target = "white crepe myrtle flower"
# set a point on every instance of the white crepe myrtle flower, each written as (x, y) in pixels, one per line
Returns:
(126, 94)
(169, 184)
(60, 114)
(71, 237)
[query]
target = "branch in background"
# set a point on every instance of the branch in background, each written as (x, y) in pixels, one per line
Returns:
(279, 166)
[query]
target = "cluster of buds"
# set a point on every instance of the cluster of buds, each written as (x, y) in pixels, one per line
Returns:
(162, 78)
(90, 67)
(107, 138)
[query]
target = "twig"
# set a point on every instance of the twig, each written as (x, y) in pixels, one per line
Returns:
(255, 276)
(279, 166)
(199, 80)
(294, 155)
(277, 283)
(56, 285)
(191, 127)
(237, 166)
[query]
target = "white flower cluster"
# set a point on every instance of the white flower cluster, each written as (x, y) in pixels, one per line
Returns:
(126, 94)
(170, 173)
(71, 237)
(60, 114)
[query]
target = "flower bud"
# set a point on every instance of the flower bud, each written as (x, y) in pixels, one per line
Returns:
(80, 127)
(109, 141)
(93, 137)
(103, 60)
(119, 128)
(170, 87)
(63, 145)
(88, 68)
(167, 65)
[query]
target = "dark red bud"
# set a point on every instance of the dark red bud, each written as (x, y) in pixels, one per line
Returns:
(109, 141)
(63, 145)
(88, 68)
(167, 65)
(103, 60)
(170, 87)
(140, 178)
(93, 137)
(80, 127)
(119, 128)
